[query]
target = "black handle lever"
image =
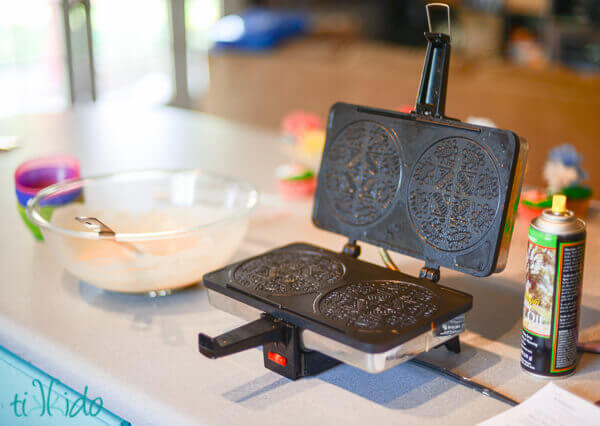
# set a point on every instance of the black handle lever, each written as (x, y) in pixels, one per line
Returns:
(257, 333)
(431, 99)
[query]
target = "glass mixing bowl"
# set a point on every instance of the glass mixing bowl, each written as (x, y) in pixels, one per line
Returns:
(170, 227)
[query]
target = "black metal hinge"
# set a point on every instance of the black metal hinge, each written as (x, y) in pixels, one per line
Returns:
(431, 274)
(351, 249)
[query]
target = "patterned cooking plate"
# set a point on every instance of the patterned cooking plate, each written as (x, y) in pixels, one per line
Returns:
(432, 188)
(357, 303)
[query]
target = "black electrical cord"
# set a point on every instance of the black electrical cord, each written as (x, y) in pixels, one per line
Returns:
(465, 381)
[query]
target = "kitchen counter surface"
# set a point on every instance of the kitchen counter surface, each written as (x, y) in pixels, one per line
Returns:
(140, 354)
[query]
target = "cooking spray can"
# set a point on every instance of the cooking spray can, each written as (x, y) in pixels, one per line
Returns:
(553, 292)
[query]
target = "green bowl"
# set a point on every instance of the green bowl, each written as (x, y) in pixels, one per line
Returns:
(46, 213)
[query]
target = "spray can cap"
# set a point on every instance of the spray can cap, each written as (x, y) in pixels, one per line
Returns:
(559, 204)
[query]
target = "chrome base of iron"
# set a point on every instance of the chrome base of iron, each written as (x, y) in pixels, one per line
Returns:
(369, 362)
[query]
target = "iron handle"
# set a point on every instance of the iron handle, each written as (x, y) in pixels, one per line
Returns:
(431, 99)
(257, 333)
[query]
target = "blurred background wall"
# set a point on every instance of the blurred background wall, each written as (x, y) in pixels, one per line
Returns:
(532, 66)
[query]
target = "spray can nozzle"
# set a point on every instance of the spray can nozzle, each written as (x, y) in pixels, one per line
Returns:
(559, 204)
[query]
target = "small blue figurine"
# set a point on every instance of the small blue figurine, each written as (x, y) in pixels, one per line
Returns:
(564, 174)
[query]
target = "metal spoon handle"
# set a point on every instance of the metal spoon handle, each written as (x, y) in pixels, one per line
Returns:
(96, 225)
(105, 232)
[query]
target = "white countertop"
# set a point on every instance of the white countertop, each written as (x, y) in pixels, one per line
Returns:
(140, 354)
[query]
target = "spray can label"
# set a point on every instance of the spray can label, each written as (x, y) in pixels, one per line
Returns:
(551, 305)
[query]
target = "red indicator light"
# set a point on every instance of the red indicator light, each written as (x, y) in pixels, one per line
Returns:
(277, 359)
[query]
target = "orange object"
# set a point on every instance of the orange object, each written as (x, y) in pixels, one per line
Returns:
(579, 207)
(297, 189)
(528, 213)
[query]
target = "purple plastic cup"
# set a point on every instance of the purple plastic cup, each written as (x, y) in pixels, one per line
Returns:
(34, 175)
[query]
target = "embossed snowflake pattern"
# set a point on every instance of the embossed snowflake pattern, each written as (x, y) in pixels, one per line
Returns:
(453, 194)
(362, 173)
(290, 273)
(379, 305)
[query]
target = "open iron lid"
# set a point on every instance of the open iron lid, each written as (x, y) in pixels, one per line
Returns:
(421, 184)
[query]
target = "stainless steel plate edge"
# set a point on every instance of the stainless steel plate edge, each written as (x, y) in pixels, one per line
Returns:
(369, 362)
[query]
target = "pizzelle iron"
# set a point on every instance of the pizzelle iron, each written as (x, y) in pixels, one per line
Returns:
(420, 184)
